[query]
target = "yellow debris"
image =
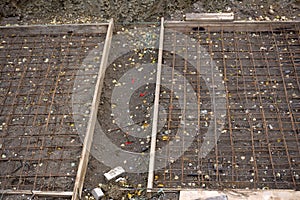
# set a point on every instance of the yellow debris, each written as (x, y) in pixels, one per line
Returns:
(165, 137)
(145, 125)
(129, 195)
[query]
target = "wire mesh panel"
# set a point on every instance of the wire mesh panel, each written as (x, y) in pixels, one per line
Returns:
(252, 139)
(39, 143)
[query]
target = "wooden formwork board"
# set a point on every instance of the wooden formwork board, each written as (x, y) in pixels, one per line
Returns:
(93, 117)
(25, 30)
(229, 26)
(239, 195)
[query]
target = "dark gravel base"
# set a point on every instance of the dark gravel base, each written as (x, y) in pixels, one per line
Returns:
(78, 11)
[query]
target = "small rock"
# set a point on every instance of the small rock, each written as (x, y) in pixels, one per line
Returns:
(271, 11)
(267, 18)
(203, 112)
(287, 71)
(263, 49)
(278, 175)
(270, 126)
(206, 177)
(144, 149)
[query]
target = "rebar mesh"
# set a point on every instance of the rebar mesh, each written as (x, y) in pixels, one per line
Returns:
(39, 144)
(259, 146)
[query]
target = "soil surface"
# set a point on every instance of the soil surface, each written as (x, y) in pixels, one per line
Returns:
(78, 11)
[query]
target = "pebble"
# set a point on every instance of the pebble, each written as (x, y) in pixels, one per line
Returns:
(287, 71)
(144, 149)
(204, 112)
(263, 49)
(270, 127)
(278, 175)
(206, 177)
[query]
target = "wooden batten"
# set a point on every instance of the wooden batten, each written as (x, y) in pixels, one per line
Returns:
(239, 194)
(93, 117)
(156, 107)
(61, 29)
(255, 26)
(219, 17)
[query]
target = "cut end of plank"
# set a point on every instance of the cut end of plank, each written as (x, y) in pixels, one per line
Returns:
(239, 195)
(213, 17)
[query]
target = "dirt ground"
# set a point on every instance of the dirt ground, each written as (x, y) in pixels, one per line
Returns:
(77, 11)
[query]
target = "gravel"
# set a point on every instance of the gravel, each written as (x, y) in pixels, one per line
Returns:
(79, 11)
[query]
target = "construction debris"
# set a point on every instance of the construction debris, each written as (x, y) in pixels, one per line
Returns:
(114, 173)
(97, 193)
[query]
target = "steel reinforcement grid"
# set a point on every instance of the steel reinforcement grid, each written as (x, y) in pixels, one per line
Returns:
(230, 90)
(234, 89)
(40, 146)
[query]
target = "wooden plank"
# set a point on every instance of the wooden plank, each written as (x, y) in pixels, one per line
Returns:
(156, 106)
(25, 30)
(240, 194)
(254, 26)
(93, 117)
(209, 17)
(37, 193)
